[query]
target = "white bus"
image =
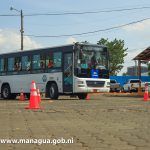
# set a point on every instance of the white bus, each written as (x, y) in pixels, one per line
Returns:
(75, 69)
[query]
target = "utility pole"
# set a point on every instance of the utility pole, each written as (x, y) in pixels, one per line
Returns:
(136, 69)
(21, 25)
(21, 30)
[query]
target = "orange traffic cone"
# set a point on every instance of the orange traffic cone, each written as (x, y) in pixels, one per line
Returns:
(33, 103)
(38, 95)
(87, 97)
(146, 97)
(21, 95)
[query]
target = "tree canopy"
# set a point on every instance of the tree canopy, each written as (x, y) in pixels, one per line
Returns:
(117, 52)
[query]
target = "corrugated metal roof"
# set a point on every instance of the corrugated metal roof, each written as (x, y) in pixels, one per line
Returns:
(144, 55)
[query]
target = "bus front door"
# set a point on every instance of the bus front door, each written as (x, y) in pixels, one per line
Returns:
(67, 73)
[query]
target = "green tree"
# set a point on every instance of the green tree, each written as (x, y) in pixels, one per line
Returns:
(124, 74)
(117, 53)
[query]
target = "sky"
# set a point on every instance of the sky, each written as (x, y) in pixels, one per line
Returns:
(135, 36)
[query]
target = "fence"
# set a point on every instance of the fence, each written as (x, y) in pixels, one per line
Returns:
(123, 79)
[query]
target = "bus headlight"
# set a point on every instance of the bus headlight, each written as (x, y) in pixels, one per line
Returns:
(80, 82)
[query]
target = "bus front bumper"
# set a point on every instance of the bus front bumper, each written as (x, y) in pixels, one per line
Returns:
(93, 90)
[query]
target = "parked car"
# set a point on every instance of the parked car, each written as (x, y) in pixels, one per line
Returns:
(114, 86)
(132, 85)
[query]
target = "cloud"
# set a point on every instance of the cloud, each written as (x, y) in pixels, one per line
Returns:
(10, 41)
(137, 36)
(128, 60)
(138, 27)
(71, 40)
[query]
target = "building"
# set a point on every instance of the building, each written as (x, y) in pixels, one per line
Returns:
(143, 57)
(133, 70)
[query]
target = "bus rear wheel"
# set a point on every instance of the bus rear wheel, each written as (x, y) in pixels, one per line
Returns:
(53, 91)
(6, 93)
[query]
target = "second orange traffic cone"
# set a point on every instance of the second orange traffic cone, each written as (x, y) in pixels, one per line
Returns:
(21, 95)
(38, 95)
(87, 97)
(33, 103)
(146, 97)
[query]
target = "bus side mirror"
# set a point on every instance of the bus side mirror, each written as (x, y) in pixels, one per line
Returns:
(79, 61)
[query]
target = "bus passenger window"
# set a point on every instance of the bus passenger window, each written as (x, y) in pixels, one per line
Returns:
(36, 62)
(57, 59)
(42, 61)
(42, 65)
(50, 64)
(49, 61)
(26, 63)
(17, 67)
(1, 65)
(28, 66)
(11, 64)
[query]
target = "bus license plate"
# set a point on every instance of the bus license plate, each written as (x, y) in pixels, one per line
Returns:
(94, 90)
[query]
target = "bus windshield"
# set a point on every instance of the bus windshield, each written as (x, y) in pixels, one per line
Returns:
(89, 57)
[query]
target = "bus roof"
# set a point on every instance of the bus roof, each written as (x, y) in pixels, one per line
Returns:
(36, 49)
(44, 48)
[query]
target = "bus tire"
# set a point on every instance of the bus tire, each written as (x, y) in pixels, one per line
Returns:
(82, 96)
(53, 91)
(6, 93)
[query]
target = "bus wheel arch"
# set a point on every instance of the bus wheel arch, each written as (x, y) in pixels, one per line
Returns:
(6, 91)
(52, 90)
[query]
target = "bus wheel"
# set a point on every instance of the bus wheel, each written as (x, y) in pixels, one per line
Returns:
(53, 91)
(82, 95)
(6, 94)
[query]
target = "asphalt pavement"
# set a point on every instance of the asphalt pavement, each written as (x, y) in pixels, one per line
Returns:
(105, 122)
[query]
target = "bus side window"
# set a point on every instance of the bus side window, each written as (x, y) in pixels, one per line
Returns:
(26, 63)
(1, 64)
(28, 66)
(5, 64)
(17, 66)
(11, 64)
(42, 62)
(49, 61)
(36, 62)
(57, 59)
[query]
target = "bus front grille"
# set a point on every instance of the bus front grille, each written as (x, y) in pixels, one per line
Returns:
(95, 83)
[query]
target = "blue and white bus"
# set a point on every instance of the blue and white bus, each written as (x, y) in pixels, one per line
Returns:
(76, 69)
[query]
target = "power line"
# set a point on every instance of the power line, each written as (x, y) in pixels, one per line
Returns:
(88, 12)
(85, 33)
(79, 13)
(8, 15)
